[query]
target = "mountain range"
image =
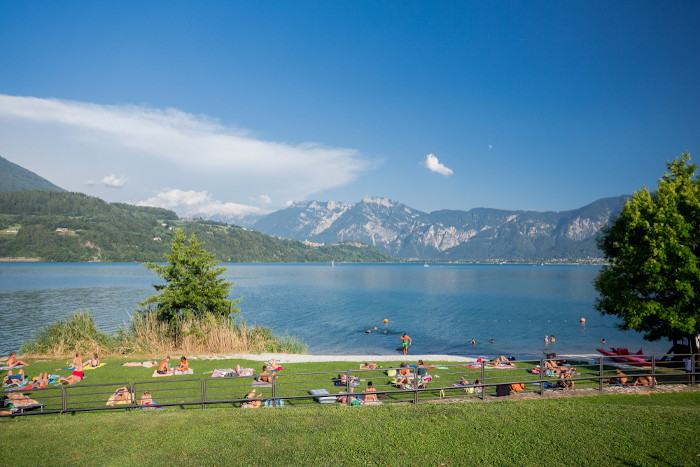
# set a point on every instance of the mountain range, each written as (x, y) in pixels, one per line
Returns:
(397, 230)
(480, 234)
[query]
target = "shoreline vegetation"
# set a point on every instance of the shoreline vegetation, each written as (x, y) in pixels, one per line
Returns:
(146, 334)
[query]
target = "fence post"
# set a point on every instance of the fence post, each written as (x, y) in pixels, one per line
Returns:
(543, 373)
(132, 396)
(483, 380)
(653, 371)
(694, 367)
(64, 400)
(204, 392)
(600, 374)
(274, 386)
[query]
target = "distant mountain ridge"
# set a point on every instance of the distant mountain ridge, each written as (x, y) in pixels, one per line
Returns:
(16, 178)
(475, 235)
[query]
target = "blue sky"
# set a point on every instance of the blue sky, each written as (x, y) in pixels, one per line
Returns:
(240, 107)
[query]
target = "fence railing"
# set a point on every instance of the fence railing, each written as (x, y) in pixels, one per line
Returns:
(455, 381)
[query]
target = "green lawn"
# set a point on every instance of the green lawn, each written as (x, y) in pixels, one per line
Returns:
(648, 429)
(612, 429)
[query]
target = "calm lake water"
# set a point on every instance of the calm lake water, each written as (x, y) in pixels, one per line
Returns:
(441, 307)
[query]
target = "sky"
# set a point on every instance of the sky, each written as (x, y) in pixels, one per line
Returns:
(234, 108)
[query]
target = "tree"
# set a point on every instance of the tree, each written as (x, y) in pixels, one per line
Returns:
(193, 287)
(653, 279)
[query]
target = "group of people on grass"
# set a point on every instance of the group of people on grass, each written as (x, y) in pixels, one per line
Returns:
(404, 378)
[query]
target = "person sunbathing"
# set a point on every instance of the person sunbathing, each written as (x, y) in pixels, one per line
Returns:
(501, 358)
(12, 378)
(13, 361)
(146, 399)
(72, 379)
(253, 400)
(369, 366)
(404, 370)
(120, 396)
(17, 399)
(163, 367)
(565, 381)
(146, 364)
(40, 381)
(77, 365)
(620, 379)
(370, 397)
(264, 376)
(94, 362)
(184, 365)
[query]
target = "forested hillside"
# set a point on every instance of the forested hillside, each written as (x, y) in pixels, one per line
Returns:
(16, 178)
(61, 226)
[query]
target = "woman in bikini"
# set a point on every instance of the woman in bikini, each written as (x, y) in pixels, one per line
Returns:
(13, 361)
(184, 364)
(94, 362)
(78, 373)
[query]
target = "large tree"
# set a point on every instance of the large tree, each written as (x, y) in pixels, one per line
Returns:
(192, 286)
(653, 279)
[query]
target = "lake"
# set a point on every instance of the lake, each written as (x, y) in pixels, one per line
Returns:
(442, 307)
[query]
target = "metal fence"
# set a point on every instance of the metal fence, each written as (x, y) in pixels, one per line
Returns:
(349, 387)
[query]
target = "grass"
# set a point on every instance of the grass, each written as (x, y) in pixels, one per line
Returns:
(612, 429)
(147, 334)
(606, 430)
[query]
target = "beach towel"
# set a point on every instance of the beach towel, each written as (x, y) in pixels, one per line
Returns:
(273, 403)
(11, 367)
(175, 372)
(324, 396)
(231, 373)
(263, 384)
(491, 367)
(88, 367)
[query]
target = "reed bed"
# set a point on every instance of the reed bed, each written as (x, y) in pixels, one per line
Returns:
(146, 334)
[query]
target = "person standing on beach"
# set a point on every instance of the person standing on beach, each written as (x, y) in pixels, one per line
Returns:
(405, 342)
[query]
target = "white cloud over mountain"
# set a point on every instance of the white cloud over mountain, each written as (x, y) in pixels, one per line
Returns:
(199, 204)
(158, 149)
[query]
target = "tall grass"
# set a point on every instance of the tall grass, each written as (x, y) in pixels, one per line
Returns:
(146, 334)
(207, 334)
(77, 333)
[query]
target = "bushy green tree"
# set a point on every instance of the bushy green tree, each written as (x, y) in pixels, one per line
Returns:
(653, 280)
(192, 286)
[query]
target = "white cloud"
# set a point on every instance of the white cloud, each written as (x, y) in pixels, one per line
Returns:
(490, 146)
(262, 199)
(431, 163)
(192, 203)
(112, 181)
(156, 148)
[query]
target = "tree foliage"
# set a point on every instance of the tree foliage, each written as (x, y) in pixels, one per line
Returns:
(193, 287)
(653, 279)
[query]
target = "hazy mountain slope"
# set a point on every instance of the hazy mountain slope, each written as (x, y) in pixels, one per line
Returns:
(15, 178)
(477, 234)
